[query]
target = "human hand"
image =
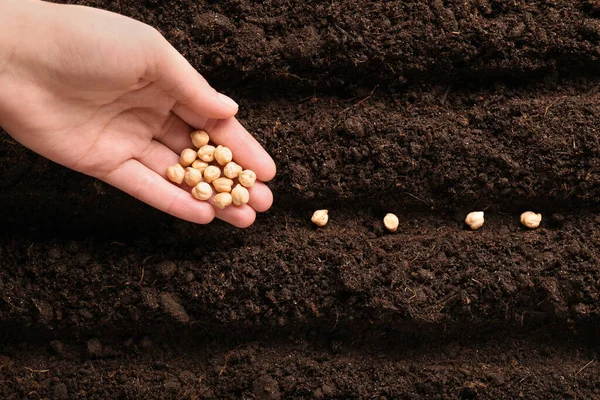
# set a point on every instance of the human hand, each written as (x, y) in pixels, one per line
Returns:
(110, 97)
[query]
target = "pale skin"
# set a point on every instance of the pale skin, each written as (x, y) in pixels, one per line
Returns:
(108, 96)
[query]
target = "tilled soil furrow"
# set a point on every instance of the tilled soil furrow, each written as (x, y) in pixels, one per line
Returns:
(433, 270)
(505, 369)
(500, 147)
(347, 43)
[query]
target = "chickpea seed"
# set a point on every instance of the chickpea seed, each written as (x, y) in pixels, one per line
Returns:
(320, 217)
(192, 176)
(232, 170)
(176, 173)
(202, 191)
(391, 222)
(240, 195)
(222, 200)
(222, 185)
(206, 153)
(531, 219)
(475, 220)
(188, 156)
(247, 178)
(211, 173)
(223, 155)
(199, 165)
(200, 138)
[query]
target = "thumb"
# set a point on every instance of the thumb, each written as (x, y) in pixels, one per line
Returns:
(181, 81)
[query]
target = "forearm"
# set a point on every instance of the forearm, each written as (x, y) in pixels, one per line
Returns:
(10, 24)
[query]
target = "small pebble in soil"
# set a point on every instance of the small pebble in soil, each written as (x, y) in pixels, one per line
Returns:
(320, 217)
(391, 222)
(94, 348)
(172, 307)
(530, 219)
(474, 220)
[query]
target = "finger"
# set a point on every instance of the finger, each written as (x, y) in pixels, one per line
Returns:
(261, 198)
(158, 158)
(183, 83)
(191, 118)
(176, 134)
(239, 216)
(136, 179)
(246, 150)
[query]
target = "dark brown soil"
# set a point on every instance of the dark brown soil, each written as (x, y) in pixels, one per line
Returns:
(426, 109)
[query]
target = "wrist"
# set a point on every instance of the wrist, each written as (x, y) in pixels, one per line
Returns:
(19, 20)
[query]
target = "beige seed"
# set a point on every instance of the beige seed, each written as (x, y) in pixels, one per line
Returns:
(188, 156)
(192, 176)
(202, 191)
(222, 200)
(320, 217)
(176, 173)
(223, 155)
(222, 185)
(240, 195)
(247, 178)
(475, 220)
(232, 170)
(531, 219)
(206, 153)
(391, 222)
(200, 138)
(211, 173)
(199, 165)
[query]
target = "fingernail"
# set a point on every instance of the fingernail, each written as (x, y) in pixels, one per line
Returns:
(228, 100)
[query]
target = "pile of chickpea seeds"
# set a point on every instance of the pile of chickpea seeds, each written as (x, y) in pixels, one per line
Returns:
(209, 169)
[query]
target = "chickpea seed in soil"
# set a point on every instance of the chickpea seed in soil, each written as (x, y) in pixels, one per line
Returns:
(427, 110)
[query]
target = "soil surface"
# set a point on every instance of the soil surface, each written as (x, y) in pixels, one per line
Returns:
(425, 109)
